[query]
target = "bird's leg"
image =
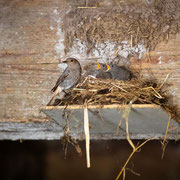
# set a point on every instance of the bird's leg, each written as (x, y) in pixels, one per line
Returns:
(58, 90)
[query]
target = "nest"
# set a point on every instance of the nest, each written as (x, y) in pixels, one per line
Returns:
(104, 92)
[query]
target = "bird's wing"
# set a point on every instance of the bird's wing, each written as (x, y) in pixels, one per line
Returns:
(61, 79)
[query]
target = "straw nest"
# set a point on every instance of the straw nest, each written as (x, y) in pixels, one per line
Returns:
(103, 92)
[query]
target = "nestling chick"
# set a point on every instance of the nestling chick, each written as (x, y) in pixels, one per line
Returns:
(119, 72)
(102, 71)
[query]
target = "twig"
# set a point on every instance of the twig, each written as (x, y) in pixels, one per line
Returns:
(131, 41)
(100, 115)
(87, 135)
(134, 150)
(124, 174)
(80, 89)
(164, 143)
(133, 172)
(96, 113)
(84, 81)
(167, 76)
(119, 125)
(116, 52)
(114, 86)
(92, 32)
(157, 94)
(120, 88)
(148, 55)
(87, 7)
(125, 116)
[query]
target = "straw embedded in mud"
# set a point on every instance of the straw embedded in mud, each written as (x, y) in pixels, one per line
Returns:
(137, 24)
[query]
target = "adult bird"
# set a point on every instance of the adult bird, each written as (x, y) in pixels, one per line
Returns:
(68, 79)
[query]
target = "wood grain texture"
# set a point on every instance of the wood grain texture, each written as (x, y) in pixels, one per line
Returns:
(29, 58)
(28, 61)
(165, 59)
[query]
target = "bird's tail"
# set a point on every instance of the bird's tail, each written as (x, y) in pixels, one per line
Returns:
(58, 90)
(52, 98)
(54, 88)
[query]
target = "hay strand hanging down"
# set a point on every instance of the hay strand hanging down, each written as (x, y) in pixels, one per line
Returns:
(87, 135)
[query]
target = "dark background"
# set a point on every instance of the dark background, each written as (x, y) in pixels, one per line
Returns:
(46, 160)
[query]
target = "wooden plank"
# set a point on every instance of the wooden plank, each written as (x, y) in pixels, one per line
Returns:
(28, 58)
(145, 121)
(50, 131)
(30, 130)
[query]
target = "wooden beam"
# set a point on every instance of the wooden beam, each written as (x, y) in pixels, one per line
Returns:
(29, 56)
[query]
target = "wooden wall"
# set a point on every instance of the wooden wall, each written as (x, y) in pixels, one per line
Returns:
(29, 58)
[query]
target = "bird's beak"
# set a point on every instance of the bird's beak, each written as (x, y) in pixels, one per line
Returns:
(108, 67)
(98, 66)
(64, 61)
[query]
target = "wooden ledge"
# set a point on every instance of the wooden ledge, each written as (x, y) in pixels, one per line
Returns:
(145, 120)
(111, 106)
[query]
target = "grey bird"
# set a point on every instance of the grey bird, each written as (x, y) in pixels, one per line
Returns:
(119, 72)
(68, 79)
(102, 71)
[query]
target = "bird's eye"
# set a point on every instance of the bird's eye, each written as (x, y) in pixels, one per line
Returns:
(71, 60)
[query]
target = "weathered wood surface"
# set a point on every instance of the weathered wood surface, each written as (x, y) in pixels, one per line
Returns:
(145, 121)
(29, 51)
